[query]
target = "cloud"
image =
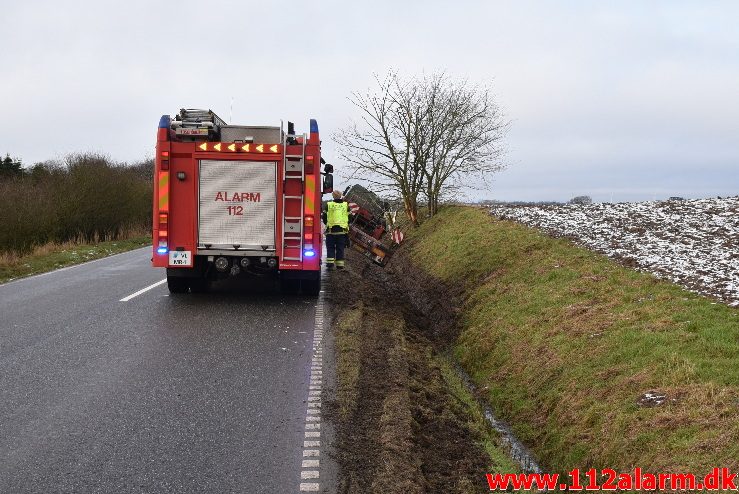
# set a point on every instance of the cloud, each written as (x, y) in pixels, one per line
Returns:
(607, 95)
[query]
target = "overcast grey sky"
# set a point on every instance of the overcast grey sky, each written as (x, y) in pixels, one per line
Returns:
(620, 99)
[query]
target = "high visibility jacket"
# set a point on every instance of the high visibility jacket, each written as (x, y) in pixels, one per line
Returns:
(337, 216)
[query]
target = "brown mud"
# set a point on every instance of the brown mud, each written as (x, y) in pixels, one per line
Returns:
(400, 428)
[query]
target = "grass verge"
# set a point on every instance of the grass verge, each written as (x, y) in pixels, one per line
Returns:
(406, 423)
(467, 406)
(54, 256)
(348, 360)
(566, 342)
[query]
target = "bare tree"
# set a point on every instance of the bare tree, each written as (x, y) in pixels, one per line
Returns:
(463, 131)
(424, 138)
(379, 151)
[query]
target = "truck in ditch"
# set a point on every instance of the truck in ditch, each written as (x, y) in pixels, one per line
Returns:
(237, 200)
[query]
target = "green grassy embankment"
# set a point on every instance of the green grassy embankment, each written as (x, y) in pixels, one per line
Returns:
(54, 256)
(566, 341)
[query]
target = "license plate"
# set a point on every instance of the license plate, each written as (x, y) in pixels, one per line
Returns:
(180, 258)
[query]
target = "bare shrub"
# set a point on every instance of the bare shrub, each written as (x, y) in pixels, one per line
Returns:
(84, 197)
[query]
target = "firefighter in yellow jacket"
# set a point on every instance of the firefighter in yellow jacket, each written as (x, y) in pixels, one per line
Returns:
(336, 218)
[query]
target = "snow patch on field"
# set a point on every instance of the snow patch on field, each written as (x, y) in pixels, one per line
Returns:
(694, 243)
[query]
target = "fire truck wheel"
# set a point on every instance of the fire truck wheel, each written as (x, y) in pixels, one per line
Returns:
(199, 285)
(289, 286)
(177, 284)
(311, 287)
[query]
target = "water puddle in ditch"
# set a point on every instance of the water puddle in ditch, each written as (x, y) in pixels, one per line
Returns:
(515, 449)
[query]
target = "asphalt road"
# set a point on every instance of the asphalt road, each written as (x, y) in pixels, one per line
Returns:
(189, 393)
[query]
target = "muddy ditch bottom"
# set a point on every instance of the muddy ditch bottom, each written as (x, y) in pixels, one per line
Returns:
(406, 421)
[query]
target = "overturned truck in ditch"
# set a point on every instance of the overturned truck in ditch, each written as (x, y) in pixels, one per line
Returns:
(369, 225)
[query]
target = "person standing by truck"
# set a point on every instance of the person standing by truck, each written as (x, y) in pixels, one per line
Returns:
(336, 218)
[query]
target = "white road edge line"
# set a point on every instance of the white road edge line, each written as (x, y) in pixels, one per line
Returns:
(143, 290)
(310, 468)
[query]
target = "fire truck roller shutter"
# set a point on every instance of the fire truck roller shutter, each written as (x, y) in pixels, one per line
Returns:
(237, 204)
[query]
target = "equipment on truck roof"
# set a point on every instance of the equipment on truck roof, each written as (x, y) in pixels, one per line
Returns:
(193, 125)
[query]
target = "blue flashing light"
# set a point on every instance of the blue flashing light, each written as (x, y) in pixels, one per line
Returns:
(313, 126)
(164, 122)
(162, 250)
(309, 253)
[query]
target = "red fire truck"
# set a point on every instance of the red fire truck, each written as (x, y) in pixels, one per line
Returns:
(235, 200)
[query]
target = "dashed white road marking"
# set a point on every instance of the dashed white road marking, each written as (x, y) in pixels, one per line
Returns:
(312, 443)
(143, 290)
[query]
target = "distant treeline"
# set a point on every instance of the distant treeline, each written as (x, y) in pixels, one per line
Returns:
(83, 197)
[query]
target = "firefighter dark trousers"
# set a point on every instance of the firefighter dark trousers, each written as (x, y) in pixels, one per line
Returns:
(335, 245)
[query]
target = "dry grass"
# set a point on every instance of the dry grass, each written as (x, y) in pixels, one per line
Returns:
(13, 258)
(52, 255)
(348, 360)
(396, 433)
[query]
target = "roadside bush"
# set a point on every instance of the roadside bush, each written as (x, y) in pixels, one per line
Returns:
(84, 197)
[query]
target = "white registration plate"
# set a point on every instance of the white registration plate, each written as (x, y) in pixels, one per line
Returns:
(180, 258)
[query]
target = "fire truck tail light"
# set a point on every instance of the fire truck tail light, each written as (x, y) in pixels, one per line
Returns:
(163, 221)
(165, 154)
(308, 251)
(309, 237)
(309, 221)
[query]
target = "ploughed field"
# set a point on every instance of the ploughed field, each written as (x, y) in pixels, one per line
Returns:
(694, 243)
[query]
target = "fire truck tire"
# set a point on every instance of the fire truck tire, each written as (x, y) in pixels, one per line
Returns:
(177, 284)
(289, 286)
(199, 285)
(311, 287)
